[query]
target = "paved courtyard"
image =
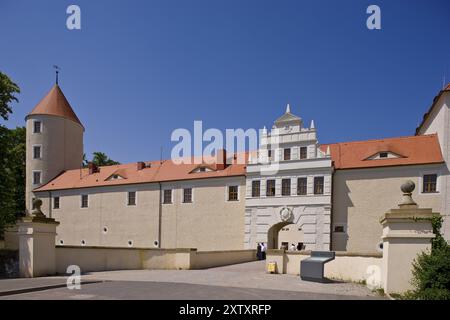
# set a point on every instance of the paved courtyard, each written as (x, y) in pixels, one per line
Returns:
(241, 281)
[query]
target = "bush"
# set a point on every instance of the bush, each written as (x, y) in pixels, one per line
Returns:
(431, 271)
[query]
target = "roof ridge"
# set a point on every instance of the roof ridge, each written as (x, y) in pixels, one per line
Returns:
(381, 139)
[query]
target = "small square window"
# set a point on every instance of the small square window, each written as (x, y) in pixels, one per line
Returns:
(132, 198)
(56, 203)
(167, 196)
(187, 195)
(383, 154)
(232, 193)
(339, 229)
(429, 183)
(36, 152)
(84, 201)
(37, 127)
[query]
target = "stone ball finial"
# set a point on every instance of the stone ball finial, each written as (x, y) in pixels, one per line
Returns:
(408, 186)
(407, 189)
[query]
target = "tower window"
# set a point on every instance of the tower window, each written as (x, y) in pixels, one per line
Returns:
(36, 152)
(429, 183)
(36, 177)
(269, 153)
(56, 203)
(303, 152)
(232, 193)
(270, 188)
(132, 198)
(167, 196)
(302, 186)
(318, 185)
(84, 201)
(287, 154)
(286, 187)
(256, 187)
(37, 127)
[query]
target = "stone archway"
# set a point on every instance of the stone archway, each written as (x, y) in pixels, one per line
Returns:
(272, 235)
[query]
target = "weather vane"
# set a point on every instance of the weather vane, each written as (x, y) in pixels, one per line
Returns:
(57, 71)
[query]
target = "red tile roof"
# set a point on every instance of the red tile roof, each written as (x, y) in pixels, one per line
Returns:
(55, 104)
(154, 172)
(412, 150)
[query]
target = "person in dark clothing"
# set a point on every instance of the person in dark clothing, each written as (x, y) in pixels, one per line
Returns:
(263, 251)
(300, 246)
(258, 252)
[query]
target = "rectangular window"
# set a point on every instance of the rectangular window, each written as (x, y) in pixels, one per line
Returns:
(303, 152)
(270, 188)
(132, 198)
(429, 183)
(84, 201)
(286, 187)
(36, 177)
(56, 203)
(339, 229)
(167, 196)
(302, 186)
(383, 154)
(256, 187)
(232, 193)
(36, 152)
(318, 185)
(287, 154)
(269, 153)
(187, 195)
(37, 127)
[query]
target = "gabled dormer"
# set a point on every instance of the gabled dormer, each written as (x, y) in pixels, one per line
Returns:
(202, 168)
(381, 155)
(117, 175)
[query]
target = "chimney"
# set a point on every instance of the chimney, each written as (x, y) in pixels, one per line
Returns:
(221, 159)
(140, 165)
(92, 168)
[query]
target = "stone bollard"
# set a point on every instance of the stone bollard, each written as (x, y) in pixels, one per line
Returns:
(407, 231)
(37, 244)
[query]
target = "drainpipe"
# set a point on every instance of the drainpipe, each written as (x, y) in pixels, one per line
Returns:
(159, 215)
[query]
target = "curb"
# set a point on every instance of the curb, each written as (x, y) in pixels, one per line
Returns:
(42, 288)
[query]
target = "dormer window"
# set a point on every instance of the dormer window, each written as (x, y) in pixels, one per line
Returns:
(114, 176)
(202, 169)
(384, 155)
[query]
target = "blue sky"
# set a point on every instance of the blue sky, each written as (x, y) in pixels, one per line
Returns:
(137, 70)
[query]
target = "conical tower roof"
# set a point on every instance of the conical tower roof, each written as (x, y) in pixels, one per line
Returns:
(56, 104)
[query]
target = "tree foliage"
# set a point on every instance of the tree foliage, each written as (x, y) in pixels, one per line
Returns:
(99, 159)
(431, 270)
(8, 89)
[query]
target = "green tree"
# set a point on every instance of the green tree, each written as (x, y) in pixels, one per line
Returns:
(8, 89)
(99, 159)
(12, 158)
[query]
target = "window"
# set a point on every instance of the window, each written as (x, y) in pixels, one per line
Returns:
(287, 154)
(187, 195)
(36, 177)
(232, 193)
(270, 190)
(131, 198)
(256, 188)
(167, 196)
(429, 183)
(269, 153)
(56, 203)
(202, 169)
(318, 185)
(383, 154)
(286, 187)
(36, 152)
(302, 186)
(303, 152)
(339, 229)
(84, 201)
(37, 127)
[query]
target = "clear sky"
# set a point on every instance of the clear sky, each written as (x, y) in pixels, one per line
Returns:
(137, 70)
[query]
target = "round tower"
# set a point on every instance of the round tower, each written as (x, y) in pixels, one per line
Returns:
(54, 141)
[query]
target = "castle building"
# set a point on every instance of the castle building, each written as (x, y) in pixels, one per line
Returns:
(290, 191)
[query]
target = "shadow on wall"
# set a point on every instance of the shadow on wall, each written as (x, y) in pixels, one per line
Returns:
(9, 263)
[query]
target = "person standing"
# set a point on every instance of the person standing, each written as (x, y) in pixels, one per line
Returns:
(258, 252)
(263, 251)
